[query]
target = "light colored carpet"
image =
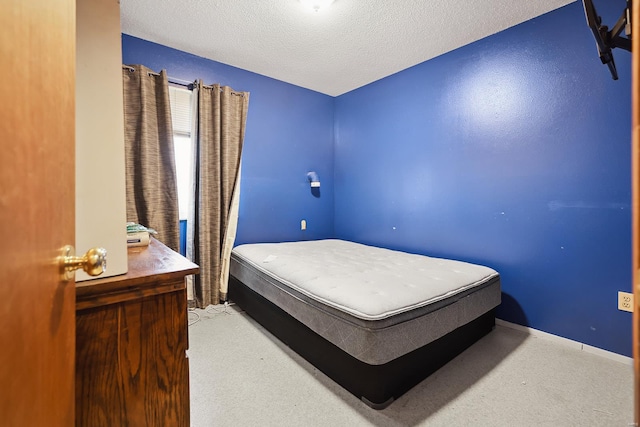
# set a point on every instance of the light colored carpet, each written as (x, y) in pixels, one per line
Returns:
(240, 375)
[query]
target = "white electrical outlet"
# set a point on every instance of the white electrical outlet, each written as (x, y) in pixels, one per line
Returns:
(303, 225)
(625, 301)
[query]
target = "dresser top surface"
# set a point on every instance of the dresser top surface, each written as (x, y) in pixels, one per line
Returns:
(146, 266)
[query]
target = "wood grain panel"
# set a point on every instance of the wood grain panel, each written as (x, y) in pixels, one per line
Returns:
(635, 189)
(37, 336)
(97, 379)
(131, 364)
(131, 343)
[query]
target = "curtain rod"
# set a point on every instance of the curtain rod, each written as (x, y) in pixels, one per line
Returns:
(169, 78)
(180, 82)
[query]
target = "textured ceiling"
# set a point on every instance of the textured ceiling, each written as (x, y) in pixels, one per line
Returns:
(348, 45)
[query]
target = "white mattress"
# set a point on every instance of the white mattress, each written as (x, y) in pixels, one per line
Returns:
(367, 282)
(376, 304)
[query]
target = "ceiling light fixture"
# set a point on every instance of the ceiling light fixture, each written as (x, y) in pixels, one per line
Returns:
(316, 5)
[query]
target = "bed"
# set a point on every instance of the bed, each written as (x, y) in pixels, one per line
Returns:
(376, 321)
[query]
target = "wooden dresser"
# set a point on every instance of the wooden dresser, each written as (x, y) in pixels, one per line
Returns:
(131, 342)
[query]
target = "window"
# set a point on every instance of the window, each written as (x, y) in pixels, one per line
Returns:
(181, 114)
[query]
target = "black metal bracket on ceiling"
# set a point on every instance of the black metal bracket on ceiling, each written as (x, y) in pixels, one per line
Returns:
(606, 39)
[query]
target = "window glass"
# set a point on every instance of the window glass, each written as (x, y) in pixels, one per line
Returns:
(182, 146)
(181, 116)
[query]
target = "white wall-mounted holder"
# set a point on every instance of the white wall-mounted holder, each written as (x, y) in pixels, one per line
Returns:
(314, 180)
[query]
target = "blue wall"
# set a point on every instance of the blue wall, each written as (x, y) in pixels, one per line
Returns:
(513, 152)
(289, 133)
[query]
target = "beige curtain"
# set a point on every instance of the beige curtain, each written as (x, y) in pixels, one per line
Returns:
(152, 194)
(221, 120)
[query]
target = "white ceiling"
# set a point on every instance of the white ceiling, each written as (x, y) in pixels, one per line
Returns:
(333, 51)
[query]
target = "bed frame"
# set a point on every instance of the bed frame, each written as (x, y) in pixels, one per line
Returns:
(375, 385)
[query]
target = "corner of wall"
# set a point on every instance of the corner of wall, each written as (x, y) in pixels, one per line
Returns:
(333, 165)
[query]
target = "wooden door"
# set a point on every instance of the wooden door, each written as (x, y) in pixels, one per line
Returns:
(37, 309)
(635, 189)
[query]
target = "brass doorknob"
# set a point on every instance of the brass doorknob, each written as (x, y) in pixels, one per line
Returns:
(94, 262)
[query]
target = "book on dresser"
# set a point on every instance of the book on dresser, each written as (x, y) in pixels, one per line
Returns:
(138, 238)
(138, 235)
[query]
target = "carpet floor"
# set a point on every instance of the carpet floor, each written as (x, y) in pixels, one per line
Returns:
(240, 375)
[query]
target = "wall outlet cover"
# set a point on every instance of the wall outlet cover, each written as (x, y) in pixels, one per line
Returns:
(625, 301)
